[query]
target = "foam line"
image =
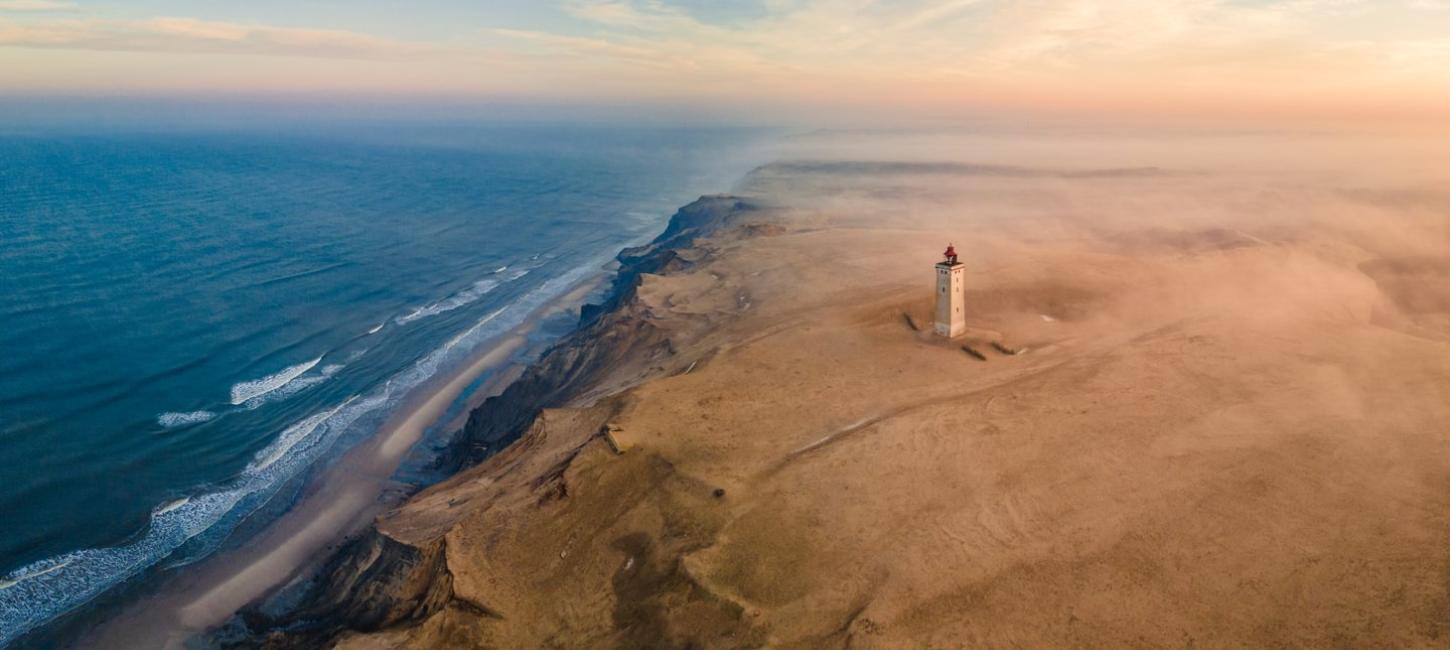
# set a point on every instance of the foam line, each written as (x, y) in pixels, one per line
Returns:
(293, 435)
(467, 296)
(173, 420)
(47, 588)
(44, 589)
(477, 290)
(296, 385)
(248, 390)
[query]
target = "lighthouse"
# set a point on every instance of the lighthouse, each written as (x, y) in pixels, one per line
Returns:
(951, 293)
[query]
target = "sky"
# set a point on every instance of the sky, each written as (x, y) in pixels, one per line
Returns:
(1386, 60)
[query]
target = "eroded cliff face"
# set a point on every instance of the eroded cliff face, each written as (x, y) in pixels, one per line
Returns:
(521, 444)
(373, 583)
(564, 540)
(619, 342)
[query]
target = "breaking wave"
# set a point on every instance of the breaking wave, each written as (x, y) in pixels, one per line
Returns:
(478, 290)
(471, 294)
(506, 318)
(249, 390)
(35, 593)
(41, 590)
(293, 435)
(173, 420)
(294, 386)
(172, 505)
(252, 394)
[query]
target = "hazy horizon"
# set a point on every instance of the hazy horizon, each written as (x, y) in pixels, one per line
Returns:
(1328, 62)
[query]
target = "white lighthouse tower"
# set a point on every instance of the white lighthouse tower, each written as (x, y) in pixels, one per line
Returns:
(951, 295)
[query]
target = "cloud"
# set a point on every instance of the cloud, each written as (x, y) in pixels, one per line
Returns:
(967, 50)
(579, 45)
(172, 34)
(933, 14)
(939, 56)
(36, 5)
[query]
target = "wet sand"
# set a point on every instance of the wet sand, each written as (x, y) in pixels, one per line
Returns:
(336, 504)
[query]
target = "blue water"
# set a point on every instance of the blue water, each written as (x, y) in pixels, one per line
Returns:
(189, 319)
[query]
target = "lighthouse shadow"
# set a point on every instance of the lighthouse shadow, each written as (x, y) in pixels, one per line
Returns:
(977, 343)
(910, 322)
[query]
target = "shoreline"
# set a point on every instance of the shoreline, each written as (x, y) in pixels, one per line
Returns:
(333, 506)
(751, 442)
(614, 346)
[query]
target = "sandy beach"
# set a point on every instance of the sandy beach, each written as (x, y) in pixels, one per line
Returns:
(341, 500)
(1223, 430)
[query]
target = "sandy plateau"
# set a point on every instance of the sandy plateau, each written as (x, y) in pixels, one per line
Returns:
(1225, 424)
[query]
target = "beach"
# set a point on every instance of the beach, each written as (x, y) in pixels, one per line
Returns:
(227, 343)
(1222, 431)
(345, 497)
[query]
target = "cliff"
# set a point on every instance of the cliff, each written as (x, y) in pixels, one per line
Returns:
(390, 577)
(618, 342)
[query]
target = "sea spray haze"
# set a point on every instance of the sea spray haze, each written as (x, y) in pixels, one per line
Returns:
(193, 317)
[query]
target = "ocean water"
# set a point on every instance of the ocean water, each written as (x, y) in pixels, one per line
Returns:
(189, 319)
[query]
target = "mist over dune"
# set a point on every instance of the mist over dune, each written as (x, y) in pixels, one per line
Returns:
(1199, 403)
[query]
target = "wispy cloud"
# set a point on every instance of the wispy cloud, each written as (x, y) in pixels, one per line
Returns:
(942, 55)
(961, 49)
(36, 5)
(172, 34)
(933, 13)
(579, 45)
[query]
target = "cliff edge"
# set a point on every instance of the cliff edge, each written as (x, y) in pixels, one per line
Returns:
(397, 572)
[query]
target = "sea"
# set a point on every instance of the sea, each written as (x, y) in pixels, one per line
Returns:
(192, 318)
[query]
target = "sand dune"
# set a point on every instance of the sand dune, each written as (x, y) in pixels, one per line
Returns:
(1226, 428)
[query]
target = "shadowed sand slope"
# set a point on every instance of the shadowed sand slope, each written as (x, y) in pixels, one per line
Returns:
(1224, 425)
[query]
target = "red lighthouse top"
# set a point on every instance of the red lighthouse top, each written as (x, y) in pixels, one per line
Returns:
(951, 254)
